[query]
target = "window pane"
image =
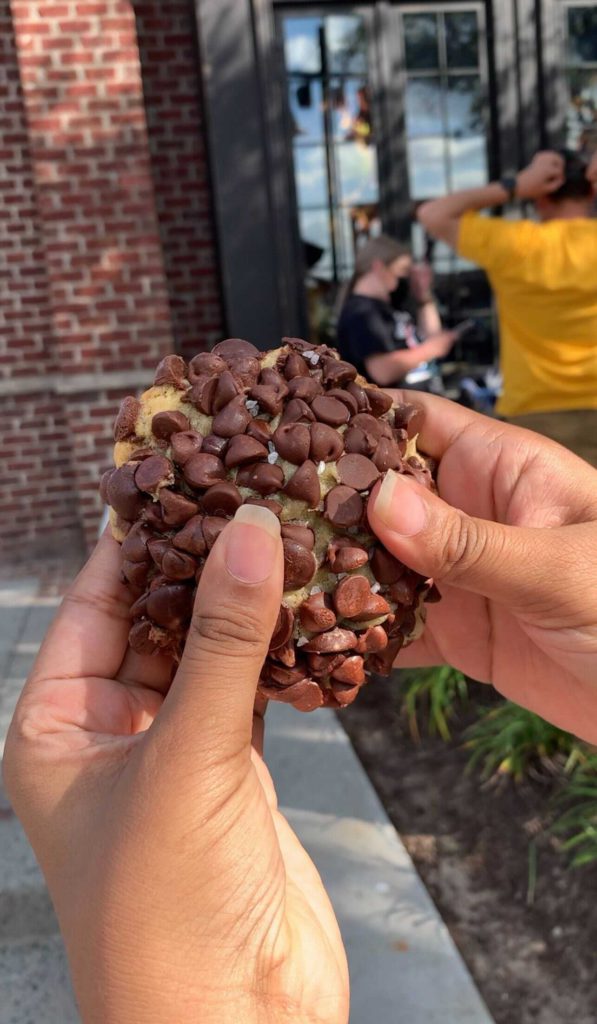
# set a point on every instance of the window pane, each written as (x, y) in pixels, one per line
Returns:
(351, 110)
(420, 40)
(344, 237)
(310, 174)
(426, 168)
(581, 120)
(346, 44)
(306, 109)
(357, 171)
(462, 39)
(423, 107)
(465, 105)
(582, 34)
(301, 44)
(315, 230)
(468, 162)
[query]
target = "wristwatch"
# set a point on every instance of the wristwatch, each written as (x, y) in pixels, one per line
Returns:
(508, 183)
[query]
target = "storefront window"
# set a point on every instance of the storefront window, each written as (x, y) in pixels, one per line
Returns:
(335, 160)
(581, 52)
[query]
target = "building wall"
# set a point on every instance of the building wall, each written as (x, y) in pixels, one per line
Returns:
(106, 246)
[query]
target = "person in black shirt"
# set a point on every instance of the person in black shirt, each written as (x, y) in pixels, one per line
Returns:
(387, 345)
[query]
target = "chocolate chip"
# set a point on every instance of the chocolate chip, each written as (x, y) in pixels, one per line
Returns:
(408, 417)
(304, 485)
(387, 455)
(164, 424)
(370, 425)
(135, 573)
(432, 595)
(231, 348)
(336, 371)
(206, 363)
(245, 369)
(259, 430)
(171, 606)
(295, 366)
(172, 370)
(283, 628)
(316, 613)
(292, 441)
(269, 396)
(305, 695)
(285, 676)
(345, 554)
(191, 538)
(178, 566)
(227, 388)
(274, 506)
(157, 548)
(202, 394)
(352, 670)
(140, 638)
(233, 419)
(342, 694)
(134, 545)
(350, 596)
(212, 527)
(153, 516)
(123, 494)
(344, 506)
(360, 395)
(385, 567)
(185, 444)
(103, 487)
(332, 642)
(127, 418)
(301, 534)
(360, 442)
(346, 398)
(177, 510)
(421, 473)
(138, 454)
(299, 565)
(244, 449)
(372, 640)
(324, 664)
(382, 662)
(357, 471)
(261, 477)
(404, 589)
(379, 401)
(222, 499)
(139, 607)
(305, 388)
(153, 473)
(327, 444)
(214, 445)
(297, 411)
(285, 653)
(203, 470)
(330, 410)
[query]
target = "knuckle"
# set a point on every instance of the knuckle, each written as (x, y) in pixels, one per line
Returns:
(462, 547)
(233, 630)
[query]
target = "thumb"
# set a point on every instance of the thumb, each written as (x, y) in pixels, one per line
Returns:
(509, 564)
(208, 712)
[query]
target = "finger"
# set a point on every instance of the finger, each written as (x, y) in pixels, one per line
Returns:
(154, 671)
(442, 422)
(209, 709)
(513, 565)
(89, 634)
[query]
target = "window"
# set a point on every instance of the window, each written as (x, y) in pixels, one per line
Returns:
(581, 73)
(333, 140)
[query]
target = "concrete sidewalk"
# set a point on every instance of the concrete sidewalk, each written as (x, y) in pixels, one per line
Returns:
(404, 966)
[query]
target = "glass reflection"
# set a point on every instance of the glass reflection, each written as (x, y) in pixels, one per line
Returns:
(357, 171)
(427, 168)
(351, 110)
(310, 175)
(423, 107)
(465, 105)
(462, 39)
(315, 230)
(305, 100)
(301, 44)
(581, 121)
(582, 34)
(346, 43)
(420, 41)
(468, 162)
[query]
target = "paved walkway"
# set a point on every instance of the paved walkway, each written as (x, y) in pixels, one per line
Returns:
(404, 966)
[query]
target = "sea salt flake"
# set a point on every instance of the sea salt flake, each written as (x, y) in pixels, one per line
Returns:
(252, 406)
(315, 590)
(302, 640)
(273, 457)
(342, 575)
(375, 588)
(271, 446)
(321, 467)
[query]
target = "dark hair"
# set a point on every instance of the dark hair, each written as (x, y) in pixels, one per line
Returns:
(576, 184)
(382, 248)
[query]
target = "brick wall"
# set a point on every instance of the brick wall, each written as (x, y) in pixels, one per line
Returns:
(106, 257)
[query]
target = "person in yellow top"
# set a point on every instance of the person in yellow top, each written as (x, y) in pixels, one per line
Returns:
(544, 275)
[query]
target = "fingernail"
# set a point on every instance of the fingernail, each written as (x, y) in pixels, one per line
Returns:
(252, 544)
(400, 506)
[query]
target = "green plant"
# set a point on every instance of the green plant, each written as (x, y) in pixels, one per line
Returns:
(578, 821)
(511, 740)
(432, 695)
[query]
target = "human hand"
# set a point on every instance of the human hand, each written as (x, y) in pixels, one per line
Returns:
(544, 174)
(513, 548)
(592, 171)
(421, 282)
(441, 344)
(181, 891)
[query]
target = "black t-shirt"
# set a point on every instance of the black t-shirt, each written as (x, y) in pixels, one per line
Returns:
(371, 327)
